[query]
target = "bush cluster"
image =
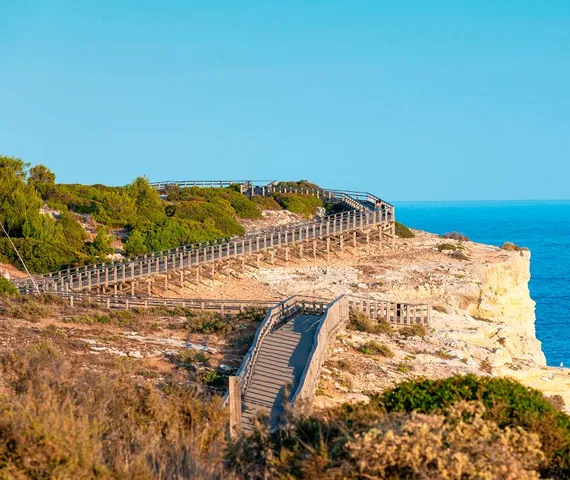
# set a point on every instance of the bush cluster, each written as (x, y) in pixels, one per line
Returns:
(461, 427)
(298, 203)
(456, 236)
(512, 247)
(402, 231)
(363, 323)
(8, 289)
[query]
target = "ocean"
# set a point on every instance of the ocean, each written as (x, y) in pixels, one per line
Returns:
(543, 227)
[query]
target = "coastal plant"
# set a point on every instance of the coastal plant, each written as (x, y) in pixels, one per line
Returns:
(446, 247)
(302, 204)
(8, 289)
(358, 320)
(402, 231)
(507, 403)
(456, 236)
(266, 203)
(512, 247)
(415, 330)
(374, 348)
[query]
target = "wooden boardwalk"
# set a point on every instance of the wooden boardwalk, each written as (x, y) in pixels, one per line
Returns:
(365, 218)
(290, 347)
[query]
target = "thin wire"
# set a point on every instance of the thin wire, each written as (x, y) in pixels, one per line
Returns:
(21, 259)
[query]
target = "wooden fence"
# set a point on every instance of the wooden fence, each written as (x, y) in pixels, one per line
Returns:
(203, 304)
(397, 313)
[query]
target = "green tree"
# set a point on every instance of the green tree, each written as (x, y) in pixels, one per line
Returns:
(19, 202)
(101, 245)
(43, 179)
(135, 244)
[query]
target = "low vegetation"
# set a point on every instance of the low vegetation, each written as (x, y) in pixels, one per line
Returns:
(447, 247)
(8, 289)
(512, 247)
(456, 236)
(363, 323)
(415, 330)
(374, 348)
(302, 204)
(61, 420)
(490, 424)
(402, 231)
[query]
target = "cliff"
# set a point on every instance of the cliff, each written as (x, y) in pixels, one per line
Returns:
(483, 319)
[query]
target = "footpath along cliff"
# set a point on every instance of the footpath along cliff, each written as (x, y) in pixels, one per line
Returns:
(483, 320)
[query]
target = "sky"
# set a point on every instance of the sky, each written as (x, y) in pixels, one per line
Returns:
(410, 100)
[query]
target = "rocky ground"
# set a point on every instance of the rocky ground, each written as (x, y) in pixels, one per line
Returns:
(483, 318)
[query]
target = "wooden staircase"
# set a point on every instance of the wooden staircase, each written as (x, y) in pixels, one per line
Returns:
(278, 369)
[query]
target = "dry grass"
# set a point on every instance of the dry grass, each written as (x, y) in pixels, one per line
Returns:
(363, 323)
(58, 420)
(415, 330)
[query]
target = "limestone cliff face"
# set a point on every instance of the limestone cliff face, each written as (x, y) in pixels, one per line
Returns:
(504, 298)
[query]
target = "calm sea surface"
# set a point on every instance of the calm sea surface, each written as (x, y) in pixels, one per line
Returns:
(544, 227)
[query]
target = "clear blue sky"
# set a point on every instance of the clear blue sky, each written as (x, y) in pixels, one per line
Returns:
(413, 100)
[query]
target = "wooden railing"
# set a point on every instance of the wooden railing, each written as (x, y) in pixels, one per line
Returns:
(336, 314)
(277, 315)
(203, 304)
(396, 313)
(186, 257)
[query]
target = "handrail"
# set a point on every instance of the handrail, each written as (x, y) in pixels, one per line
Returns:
(336, 314)
(275, 316)
(185, 257)
(134, 301)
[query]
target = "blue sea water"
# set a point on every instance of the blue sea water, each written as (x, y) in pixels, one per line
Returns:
(543, 227)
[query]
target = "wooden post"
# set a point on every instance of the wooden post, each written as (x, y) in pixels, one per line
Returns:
(354, 239)
(328, 248)
(148, 288)
(314, 248)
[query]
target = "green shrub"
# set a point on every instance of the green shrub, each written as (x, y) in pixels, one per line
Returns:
(403, 232)
(300, 184)
(456, 236)
(101, 245)
(298, 203)
(507, 402)
(266, 203)
(510, 246)
(415, 330)
(374, 348)
(8, 289)
(245, 208)
(40, 256)
(446, 246)
(210, 215)
(363, 323)
(459, 255)
(210, 322)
